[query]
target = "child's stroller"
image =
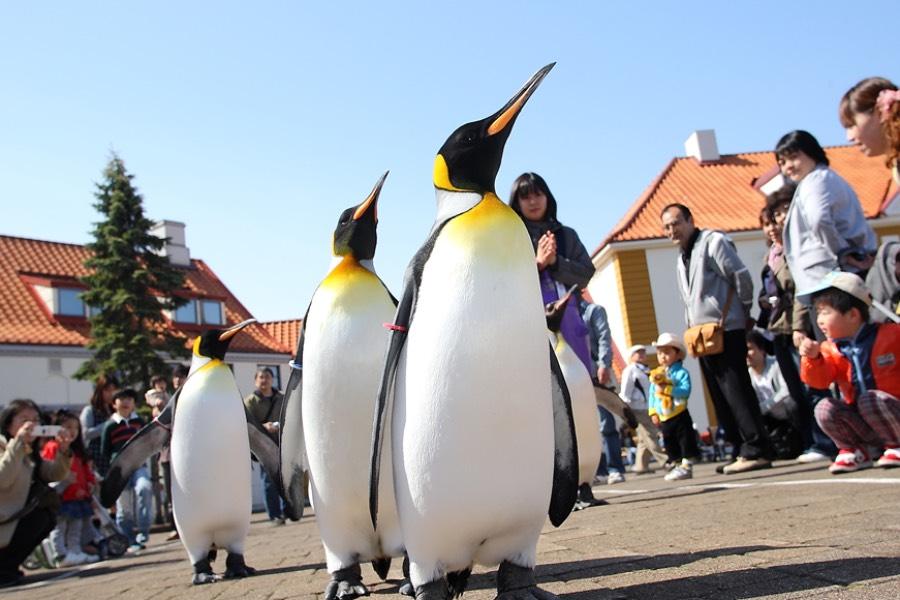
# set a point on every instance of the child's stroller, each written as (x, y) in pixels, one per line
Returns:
(112, 542)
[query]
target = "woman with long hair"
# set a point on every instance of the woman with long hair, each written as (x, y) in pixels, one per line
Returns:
(870, 112)
(24, 520)
(561, 258)
(94, 416)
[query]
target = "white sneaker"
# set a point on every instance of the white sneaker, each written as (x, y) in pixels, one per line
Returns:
(811, 456)
(678, 473)
(72, 559)
(615, 477)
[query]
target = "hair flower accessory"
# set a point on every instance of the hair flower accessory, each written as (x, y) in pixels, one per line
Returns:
(884, 101)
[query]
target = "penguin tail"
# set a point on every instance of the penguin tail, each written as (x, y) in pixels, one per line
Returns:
(458, 581)
(382, 566)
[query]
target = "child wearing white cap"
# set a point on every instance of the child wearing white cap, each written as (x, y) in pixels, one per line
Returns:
(863, 358)
(635, 392)
(670, 387)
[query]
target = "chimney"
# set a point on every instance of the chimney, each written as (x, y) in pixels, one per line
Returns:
(702, 146)
(175, 248)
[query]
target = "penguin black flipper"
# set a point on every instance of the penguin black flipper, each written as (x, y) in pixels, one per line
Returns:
(151, 439)
(291, 462)
(565, 455)
(265, 449)
(402, 320)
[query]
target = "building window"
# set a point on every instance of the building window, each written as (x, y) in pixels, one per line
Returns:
(186, 313)
(276, 374)
(212, 312)
(69, 303)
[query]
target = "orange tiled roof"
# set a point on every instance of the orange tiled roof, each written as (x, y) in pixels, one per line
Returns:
(721, 194)
(25, 320)
(286, 332)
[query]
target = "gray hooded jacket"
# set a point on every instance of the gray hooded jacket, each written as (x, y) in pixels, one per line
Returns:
(715, 268)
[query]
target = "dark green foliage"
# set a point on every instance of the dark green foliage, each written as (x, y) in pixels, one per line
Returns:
(130, 284)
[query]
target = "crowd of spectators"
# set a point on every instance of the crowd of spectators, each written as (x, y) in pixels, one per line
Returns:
(814, 376)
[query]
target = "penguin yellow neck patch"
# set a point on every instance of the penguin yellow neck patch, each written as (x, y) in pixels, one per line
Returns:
(442, 175)
(345, 272)
(492, 228)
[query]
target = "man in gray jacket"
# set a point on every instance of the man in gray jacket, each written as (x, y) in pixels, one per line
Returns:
(708, 268)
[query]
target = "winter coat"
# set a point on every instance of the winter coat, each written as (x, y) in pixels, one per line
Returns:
(16, 470)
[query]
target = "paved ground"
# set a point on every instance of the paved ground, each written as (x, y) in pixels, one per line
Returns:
(790, 532)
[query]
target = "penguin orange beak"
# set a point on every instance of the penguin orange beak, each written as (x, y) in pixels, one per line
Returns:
(506, 115)
(371, 201)
(232, 331)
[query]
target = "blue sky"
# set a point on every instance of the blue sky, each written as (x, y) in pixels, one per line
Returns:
(256, 124)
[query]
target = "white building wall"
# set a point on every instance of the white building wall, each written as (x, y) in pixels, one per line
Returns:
(605, 291)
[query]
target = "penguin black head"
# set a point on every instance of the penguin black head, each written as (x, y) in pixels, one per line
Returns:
(554, 311)
(214, 342)
(470, 158)
(356, 229)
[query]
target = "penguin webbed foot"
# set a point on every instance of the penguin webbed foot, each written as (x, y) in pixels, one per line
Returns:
(586, 498)
(518, 583)
(203, 573)
(236, 568)
(346, 584)
(434, 590)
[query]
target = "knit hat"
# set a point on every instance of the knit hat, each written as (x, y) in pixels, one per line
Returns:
(667, 339)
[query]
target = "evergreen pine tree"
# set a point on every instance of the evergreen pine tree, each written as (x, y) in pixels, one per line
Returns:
(129, 285)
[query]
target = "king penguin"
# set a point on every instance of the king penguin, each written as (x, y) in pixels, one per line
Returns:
(341, 350)
(210, 440)
(472, 402)
(210, 460)
(584, 407)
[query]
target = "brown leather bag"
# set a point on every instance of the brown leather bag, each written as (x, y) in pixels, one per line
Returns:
(708, 339)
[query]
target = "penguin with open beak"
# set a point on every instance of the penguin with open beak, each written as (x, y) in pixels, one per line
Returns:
(472, 397)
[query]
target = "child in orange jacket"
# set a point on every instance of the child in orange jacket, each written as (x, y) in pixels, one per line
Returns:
(863, 358)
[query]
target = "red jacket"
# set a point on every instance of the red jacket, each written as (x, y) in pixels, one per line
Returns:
(80, 489)
(833, 367)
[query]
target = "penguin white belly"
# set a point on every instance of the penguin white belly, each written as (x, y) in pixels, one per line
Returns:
(473, 418)
(343, 358)
(584, 409)
(210, 461)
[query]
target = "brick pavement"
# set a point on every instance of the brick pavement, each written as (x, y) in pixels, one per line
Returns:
(790, 532)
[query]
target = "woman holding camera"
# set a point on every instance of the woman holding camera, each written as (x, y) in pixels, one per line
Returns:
(25, 519)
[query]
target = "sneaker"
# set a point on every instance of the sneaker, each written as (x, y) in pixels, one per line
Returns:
(135, 548)
(742, 465)
(850, 460)
(678, 473)
(890, 458)
(811, 456)
(614, 478)
(142, 539)
(600, 480)
(72, 559)
(277, 522)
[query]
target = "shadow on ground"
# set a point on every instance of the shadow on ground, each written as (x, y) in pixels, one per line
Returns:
(728, 585)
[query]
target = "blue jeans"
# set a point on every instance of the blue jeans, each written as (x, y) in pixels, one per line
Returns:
(274, 504)
(135, 504)
(612, 444)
